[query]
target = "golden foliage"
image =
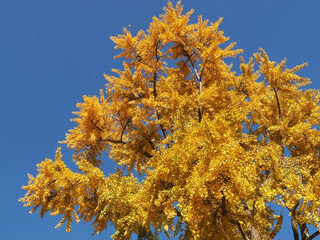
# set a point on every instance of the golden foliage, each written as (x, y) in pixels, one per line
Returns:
(212, 148)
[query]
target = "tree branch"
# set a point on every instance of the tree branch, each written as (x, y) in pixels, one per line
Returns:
(313, 235)
(178, 212)
(304, 231)
(107, 140)
(254, 233)
(148, 155)
(243, 234)
(155, 72)
(200, 110)
(95, 125)
(278, 103)
(236, 222)
(151, 143)
(294, 222)
(124, 128)
(161, 126)
(112, 141)
(154, 81)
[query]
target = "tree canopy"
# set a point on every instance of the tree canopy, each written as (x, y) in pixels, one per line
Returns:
(202, 151)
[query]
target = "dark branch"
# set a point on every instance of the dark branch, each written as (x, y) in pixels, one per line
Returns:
(95, 124)
(254, 232)
(124, 128)
(294, 222)
(155, 87)
(112, 140)
(223, 205)
(115, 141)
(304, 231)
(148, 155)
(203, 67)
(278, 103)
(161, 126)
(155, 72)
(314, 235)
(131, 97)
(178, 213)
(151, 143)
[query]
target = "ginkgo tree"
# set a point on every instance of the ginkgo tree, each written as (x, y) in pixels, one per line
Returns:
(202, 152)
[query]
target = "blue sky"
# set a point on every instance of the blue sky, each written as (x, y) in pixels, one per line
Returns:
(54, 52)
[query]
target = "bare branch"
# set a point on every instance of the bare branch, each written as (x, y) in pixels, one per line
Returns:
(313, 235)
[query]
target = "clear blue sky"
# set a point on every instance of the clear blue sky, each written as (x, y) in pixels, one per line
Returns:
(54, 52)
